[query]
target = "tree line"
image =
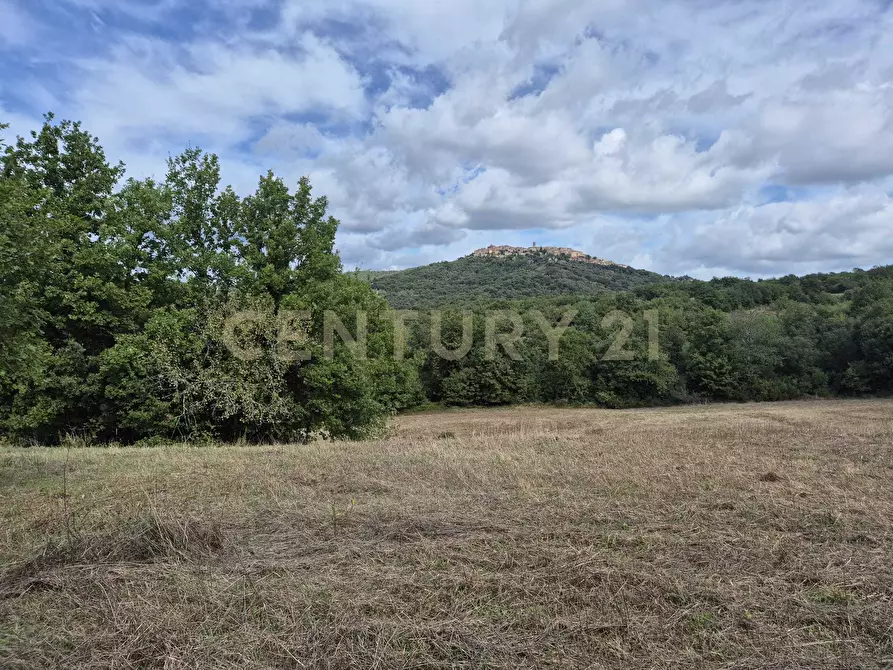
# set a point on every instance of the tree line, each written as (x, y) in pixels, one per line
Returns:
(723, 340)
(114, 294)
(117, 298)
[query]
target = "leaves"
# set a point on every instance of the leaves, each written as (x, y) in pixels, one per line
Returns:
(114, 302)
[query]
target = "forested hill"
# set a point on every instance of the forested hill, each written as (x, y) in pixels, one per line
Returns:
(124, 305)
(520, 275)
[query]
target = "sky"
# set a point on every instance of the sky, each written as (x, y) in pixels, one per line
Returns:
(700, 137)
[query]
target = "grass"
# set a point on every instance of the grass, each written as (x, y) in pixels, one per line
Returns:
(730, 536)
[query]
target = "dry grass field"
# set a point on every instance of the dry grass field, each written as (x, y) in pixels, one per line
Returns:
(746, 536)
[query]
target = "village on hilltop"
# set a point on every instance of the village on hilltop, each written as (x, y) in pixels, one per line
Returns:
(503, 251)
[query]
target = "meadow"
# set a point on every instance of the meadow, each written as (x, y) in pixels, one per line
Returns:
(745, 536)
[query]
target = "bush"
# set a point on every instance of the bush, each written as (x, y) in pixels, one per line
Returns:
(117, 327)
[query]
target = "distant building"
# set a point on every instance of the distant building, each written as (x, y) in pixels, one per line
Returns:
(503, 251)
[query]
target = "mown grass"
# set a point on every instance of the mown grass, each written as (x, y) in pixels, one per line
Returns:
(749, 536)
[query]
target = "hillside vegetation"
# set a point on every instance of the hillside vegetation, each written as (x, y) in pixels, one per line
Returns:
(143, 310)
(730, 537)
(682, 341)
(470, 279)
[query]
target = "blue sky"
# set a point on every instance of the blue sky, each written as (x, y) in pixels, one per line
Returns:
(690, 137)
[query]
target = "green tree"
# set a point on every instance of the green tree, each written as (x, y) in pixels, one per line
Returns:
(116, 303)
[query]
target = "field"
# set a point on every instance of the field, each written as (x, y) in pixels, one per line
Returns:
(744, 536)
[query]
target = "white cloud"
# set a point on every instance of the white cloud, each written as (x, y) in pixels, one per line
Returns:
(844, 229)
(428, 32)
(641, 129)
(831, 135)
(148, 86)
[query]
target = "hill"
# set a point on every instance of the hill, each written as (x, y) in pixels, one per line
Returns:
(510, 273)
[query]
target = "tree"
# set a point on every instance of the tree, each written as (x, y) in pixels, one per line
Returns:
(117, 303)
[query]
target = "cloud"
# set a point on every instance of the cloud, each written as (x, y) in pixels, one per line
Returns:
(425, 235)
(646, 130)
(420, 33)
(829, 136)
(149, 85)
(844, 229)
(617, 173)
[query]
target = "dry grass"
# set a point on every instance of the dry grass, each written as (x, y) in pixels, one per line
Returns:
(748, 536)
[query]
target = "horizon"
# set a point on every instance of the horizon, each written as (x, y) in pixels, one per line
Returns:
(761, 147)
(538, 246)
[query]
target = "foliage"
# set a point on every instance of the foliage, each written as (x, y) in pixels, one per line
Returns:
(116, 298)
(724, 340)
(472, 278)
(123, 316)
